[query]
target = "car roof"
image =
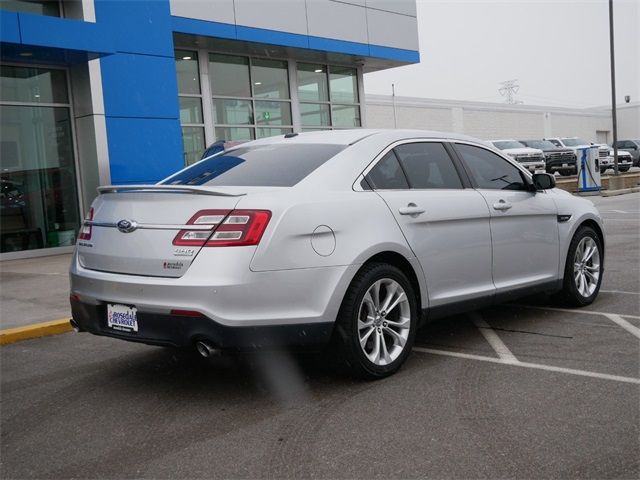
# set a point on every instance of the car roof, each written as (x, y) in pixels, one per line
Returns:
(351, 136)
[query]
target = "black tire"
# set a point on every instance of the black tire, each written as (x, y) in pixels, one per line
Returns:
(565, 173)
(346, 342)
(570, 294)
(624, 169)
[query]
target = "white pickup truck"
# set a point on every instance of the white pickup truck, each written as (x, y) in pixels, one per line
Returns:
(530, 158)
(605, 152)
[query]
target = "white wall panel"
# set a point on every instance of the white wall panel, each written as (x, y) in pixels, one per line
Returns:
(218, 11)
(406, 7)
(392, 29)
(283, 15)
(337, 20)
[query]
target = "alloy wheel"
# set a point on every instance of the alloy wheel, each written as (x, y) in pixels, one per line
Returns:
(586, 267)
(384, 321)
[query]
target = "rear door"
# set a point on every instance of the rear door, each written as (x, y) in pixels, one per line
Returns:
(446, 225)
(524, 224)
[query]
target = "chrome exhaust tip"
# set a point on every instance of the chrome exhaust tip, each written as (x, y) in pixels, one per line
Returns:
(74, 325)
(205, 349)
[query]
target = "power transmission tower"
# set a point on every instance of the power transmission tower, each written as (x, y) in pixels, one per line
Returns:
(509, 90)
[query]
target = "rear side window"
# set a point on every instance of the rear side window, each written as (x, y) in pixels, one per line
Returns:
(489, 170)
(387, 174)
(428, 165)
(278, 165)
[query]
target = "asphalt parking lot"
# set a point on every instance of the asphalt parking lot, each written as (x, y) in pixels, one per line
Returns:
(517, 391)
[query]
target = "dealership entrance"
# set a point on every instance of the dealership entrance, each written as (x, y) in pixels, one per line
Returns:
(39, 189)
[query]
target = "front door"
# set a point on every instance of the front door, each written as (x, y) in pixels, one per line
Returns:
(446, 225)
(524, 224)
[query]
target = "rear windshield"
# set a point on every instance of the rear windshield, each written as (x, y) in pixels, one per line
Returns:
(279, 165)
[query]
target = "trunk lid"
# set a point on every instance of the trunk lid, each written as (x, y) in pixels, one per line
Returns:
(155, 215)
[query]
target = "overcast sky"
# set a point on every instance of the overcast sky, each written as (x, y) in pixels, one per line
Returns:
(557, 49)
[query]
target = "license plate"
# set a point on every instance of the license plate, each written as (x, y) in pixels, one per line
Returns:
(565, 165)
(539, 171)
(122, 317)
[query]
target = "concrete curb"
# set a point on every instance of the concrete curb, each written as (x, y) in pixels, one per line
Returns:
(35, 330)
(622, 191)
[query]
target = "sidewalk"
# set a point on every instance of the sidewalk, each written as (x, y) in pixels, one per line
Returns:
(34, 290)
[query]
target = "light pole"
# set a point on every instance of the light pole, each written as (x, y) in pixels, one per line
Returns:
(613, 91)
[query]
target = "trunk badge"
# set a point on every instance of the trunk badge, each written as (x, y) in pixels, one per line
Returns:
(126, 226)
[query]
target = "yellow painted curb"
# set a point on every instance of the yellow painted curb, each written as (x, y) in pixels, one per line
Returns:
(35, 330)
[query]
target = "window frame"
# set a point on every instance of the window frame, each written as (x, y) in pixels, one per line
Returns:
(524, 174)
(446, 143)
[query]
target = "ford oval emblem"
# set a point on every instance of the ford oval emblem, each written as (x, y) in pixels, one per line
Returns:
(126, 226)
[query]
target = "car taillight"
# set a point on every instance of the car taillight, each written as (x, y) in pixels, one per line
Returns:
(85, 231)
(227, 228)
(197, 238)
(240, 228)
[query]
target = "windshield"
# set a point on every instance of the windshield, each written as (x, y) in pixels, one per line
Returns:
(541, 144)
(574, 142)
(279, 165)
(503, 145)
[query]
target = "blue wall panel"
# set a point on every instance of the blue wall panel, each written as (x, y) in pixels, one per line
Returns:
(137, 26)
(140, 91)
(9, 27)
(143, 150)
(140, 86)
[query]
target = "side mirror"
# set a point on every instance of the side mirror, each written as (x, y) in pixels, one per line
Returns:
(543, 181)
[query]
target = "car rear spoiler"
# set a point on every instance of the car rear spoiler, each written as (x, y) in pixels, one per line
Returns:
(165, 189)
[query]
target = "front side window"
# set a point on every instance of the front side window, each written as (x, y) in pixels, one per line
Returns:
(489, 170)
(428, 165)
(387, 174)
(264, 166)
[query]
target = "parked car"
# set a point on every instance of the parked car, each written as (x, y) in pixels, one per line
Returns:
(530, 158)
(558, 159)
(576, 142)
(632, 147)
(347, 237)
(625, 161)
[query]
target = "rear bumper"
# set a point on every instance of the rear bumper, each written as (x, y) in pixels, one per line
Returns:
(239, 307)
(184, 331)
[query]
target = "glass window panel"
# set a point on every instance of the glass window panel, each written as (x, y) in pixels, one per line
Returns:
(312, 83)
(29, 84)
(314, 115)
(229, 75)
(39, 202)
(273, 113)
(344, 85)
(270, 78)
(190, 110)
(38, 7)
(387, 174)
(187, 72)
(271, 132)
(489, 170)
(234, 133)
(345, 115)
(428, 165)
(233, 112)
(193, 144)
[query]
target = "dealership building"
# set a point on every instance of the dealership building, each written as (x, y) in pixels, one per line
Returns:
(111, 91)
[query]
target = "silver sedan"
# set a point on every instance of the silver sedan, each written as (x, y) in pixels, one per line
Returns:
(351, 238)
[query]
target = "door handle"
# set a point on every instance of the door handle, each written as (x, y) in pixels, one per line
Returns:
(411, 209)
(502, 205)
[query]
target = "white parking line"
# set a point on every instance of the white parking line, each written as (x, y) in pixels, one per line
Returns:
(620, 291)
(568, 310)
(623, 323)
(537, 366)
(492, 337)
